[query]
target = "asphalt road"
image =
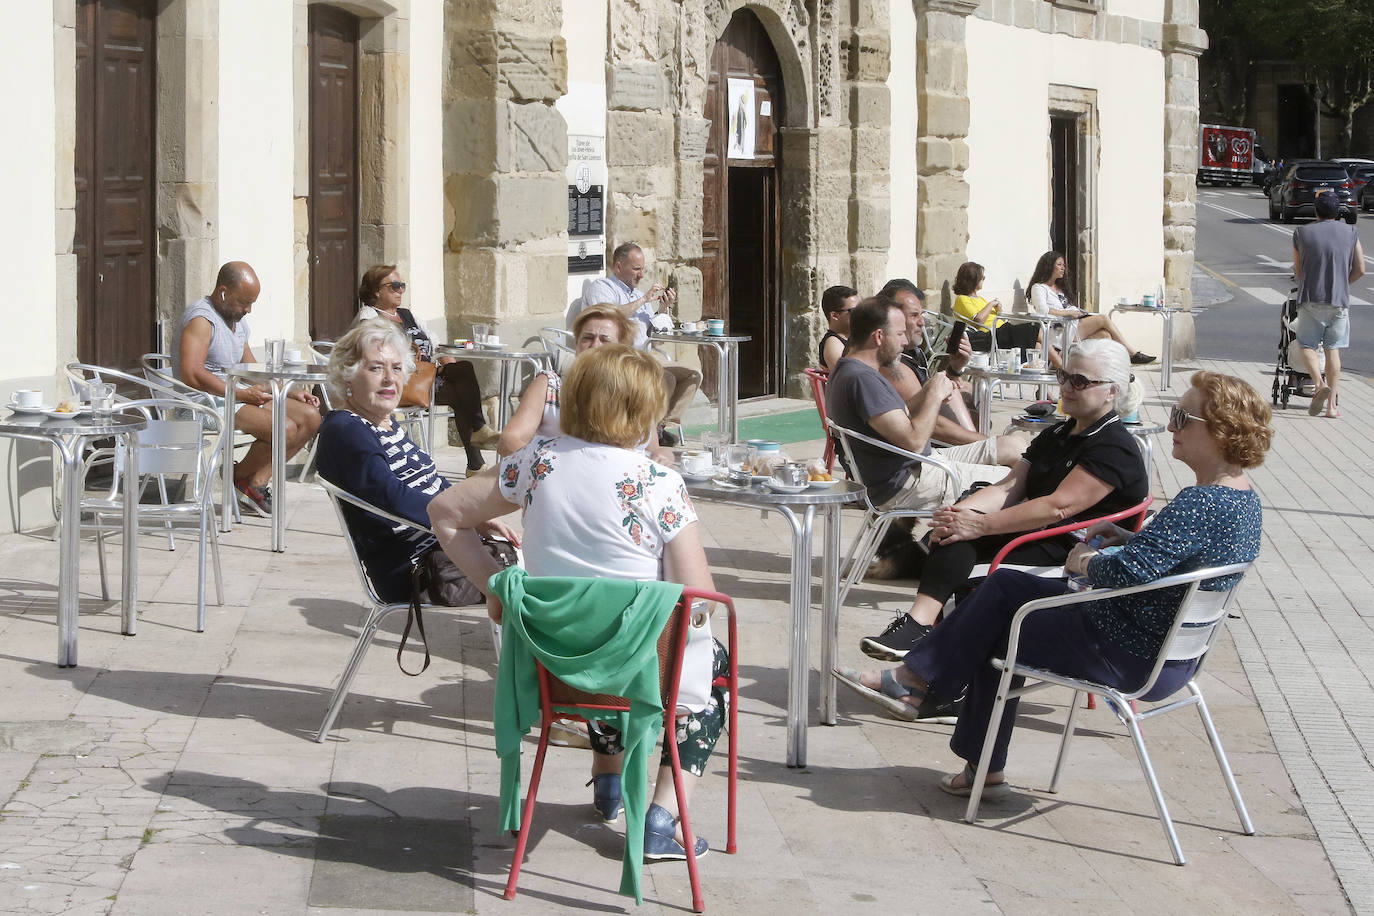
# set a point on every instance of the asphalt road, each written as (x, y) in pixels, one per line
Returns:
(1244, 271)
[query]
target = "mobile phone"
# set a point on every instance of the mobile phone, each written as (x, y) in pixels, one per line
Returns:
(956, 336)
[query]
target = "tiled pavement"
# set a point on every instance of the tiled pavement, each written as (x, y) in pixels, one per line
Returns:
(173, 772)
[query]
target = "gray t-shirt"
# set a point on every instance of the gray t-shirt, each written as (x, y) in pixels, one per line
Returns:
(226, 344)
(1328, 250)
(855, 394)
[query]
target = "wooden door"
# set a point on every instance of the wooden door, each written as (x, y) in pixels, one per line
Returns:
(1064, 193)
(115, 155)
(333, 203)
(740, 212)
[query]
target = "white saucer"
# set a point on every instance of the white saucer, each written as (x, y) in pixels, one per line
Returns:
(697, 476)
(68, 414)
(822, 484)
(784, 488)
(41, 408)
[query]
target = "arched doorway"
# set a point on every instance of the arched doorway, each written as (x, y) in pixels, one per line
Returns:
(333, 202)
(740, 263)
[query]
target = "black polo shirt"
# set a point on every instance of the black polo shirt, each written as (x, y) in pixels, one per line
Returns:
(1106, 450)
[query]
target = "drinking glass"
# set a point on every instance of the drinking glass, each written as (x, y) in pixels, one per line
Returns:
(276, 350)
(102, 398)
(480, 332)
(713, 441)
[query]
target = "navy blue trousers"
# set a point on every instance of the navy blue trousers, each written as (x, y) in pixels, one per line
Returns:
(956, 655)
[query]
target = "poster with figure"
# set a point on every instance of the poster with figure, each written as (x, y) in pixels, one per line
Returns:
(741, 119)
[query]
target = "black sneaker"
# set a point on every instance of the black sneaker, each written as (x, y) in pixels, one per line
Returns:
(1141, 359)
(259, 499)
(892, 645)
(938, 711)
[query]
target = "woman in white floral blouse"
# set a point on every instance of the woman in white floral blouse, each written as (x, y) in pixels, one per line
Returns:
(594, 506)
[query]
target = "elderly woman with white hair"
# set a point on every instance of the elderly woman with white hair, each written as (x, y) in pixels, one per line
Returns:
(362, 450)
(1085, 467)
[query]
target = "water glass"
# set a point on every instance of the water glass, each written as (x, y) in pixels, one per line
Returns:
(480, 332)
(713, 441)
(102, 398)
(736, 457)
(276, 352)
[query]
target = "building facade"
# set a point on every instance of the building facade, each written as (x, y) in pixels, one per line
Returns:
(758, 151)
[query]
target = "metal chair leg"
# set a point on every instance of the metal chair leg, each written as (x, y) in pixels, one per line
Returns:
(100, 554)
(527, 817)
(355, 661)
(1148, 770)
(1064, 740)
(1246, 826)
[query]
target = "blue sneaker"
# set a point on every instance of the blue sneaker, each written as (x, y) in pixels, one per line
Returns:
(659, 842)
(606, 795)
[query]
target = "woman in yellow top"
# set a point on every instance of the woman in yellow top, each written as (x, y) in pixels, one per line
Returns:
(978, 312)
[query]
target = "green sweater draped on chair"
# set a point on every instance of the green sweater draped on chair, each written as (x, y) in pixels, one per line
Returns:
(597, 635)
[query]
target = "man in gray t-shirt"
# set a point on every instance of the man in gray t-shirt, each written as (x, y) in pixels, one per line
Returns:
(214, 336)
(1327, 258)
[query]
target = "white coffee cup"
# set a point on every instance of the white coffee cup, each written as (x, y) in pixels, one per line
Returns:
(689, 327)
(493, 340)
(27, 397)
(696, 462)
(293, 356)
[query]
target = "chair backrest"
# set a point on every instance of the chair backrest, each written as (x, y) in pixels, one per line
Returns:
(338, 497)
(182, 439)
(81, 375)
(1134, 517)
(157, 369)
(847, 439)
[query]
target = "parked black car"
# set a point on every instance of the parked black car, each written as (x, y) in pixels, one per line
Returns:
(1363, 179)
(1296, 192)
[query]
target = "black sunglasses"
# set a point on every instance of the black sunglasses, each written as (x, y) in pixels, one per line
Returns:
(1078, 381)
(396, 286)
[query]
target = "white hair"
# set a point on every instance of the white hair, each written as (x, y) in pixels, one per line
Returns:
(1112, 361)
(351, 350)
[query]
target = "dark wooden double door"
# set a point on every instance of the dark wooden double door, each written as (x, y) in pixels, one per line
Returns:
(115, 238)
(740, 208)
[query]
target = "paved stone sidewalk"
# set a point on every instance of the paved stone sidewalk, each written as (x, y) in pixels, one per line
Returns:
(174, 772)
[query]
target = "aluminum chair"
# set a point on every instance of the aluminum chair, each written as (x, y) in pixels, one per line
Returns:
(1197, 622)
(181, 442)
(559, 701)
(818, 378)
(380, 606)
(1134, 517)
(877, 520)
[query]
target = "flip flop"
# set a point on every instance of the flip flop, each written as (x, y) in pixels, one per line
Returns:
(990, 789)
(889, 698)
(1318, 401)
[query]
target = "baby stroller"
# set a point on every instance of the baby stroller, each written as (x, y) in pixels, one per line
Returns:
(1288, 378)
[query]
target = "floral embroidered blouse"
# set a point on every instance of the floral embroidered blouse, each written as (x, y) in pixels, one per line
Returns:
(594, 510)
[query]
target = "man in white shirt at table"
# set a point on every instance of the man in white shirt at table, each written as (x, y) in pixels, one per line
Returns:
(620, 289)
(211, 338)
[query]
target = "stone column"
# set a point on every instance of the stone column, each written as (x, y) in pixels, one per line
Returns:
(505, 152)
(942, 125)
(868, 110)
(1183, 43)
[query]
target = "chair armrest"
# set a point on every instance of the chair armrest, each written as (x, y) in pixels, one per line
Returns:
(1041, 534)
(366, 506)
(846, 435)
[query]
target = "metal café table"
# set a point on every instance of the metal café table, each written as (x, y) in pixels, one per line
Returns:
(982, 388)
(727, 378)
(800, 511)
(1166, 356)
(507, 356)
(70, 436)
(280, 382)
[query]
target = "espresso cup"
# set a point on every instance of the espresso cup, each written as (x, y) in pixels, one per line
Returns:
(293, 356)
(696, 462)
(27, 397)
(689, 327)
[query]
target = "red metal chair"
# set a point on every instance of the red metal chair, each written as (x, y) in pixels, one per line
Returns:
(818, 379)
(559, 701)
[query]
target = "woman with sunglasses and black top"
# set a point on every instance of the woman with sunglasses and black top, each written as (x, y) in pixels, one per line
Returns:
(379, 296)
(1086, 467)
(1220, 428)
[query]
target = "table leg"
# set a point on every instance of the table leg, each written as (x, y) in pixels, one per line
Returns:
(430, 425)
(1167, 357)
(69, 554)
(129, 572)
(982, 399)
(229, 497)
(830, 610)
(279, 466)
(799, 663)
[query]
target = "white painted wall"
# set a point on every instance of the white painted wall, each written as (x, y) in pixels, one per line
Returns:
(1150, 10)
(1009, 154)
(585, 27)
(425, 295)
(256, 155)
(901, 83)
(28, 232)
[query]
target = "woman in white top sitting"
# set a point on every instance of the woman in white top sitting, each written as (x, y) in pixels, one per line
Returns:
(1049, 293)
(594, 505)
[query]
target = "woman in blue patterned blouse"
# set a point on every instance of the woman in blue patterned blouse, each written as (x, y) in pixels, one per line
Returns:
(1220, 427)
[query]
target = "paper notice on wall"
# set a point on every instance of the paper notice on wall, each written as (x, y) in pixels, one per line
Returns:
(742, 118)
(765, 108)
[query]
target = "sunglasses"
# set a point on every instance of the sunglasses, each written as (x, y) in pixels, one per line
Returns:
(1178, 417)
(1078, 381)
(396, 286)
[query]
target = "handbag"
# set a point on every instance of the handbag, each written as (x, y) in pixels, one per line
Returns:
(419, 389)
(434, 579)
(698, 662)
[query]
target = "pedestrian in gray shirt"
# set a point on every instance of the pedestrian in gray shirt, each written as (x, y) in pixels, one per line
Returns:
(1327, 258)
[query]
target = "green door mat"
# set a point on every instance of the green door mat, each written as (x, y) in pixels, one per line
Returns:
(793, 426)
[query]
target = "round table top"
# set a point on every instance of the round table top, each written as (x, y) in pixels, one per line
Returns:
(491, 352)
(1030, 376)
(696, 337)
(306, 372)
(844, 491)
(1138, 307)
(1144, 429)
(86, 424)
